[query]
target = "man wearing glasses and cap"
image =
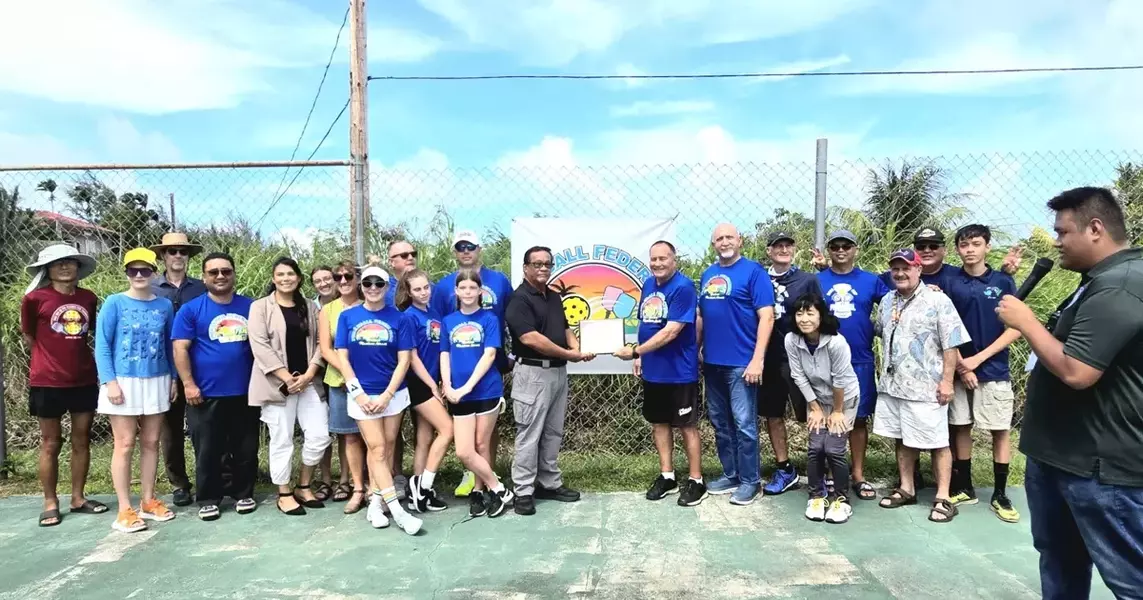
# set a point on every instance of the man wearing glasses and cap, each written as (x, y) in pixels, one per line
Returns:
(175, 285)
(929, 244)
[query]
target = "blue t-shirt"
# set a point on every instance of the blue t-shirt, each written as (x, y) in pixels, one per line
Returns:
(391, 292)
(729, 299)
(497, 290)
(850, 297)
(427, 337)
(373, 339)
(976, 299)
(940, 278)
(464, 338)
(675, 300)
(133, 338)
(220, 355)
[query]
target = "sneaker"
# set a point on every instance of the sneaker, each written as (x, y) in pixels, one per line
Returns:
(560, 494)
(376, 512)
(497, 502)
(406, 522)
(524, 505)
(816, 509)
(128, 521)
(661, 487)
(839, 510)
(431, 501)
(246, 506)
(782, 481)
(182, 497)
(208, 512)
(1002, 506)
(722, 485)
(467, 482)
(155, 510)
(965, 497)
(401, 486)
(476, 506)
(745, 494)
(416, 496)
(692, 493)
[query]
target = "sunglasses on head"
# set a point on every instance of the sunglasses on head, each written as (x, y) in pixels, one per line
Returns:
(140, 271)
(840, 247)
(373, 283)
(465, 247)
(927, 247)
(339, 277)
(404, 255)
(220, 272)
(178, 252)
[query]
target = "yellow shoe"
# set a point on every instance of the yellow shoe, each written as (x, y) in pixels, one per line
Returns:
(1002, 506)
(466, 484)
(964, 497)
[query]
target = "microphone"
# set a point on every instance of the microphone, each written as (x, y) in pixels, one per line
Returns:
(1039, 269)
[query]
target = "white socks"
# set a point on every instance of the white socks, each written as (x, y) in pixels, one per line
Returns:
(670, 475)
(427, 480)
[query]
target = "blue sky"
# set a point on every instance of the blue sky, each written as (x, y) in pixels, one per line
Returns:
(222, 80)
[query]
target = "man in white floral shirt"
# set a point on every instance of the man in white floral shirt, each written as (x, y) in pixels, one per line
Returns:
(920, 331)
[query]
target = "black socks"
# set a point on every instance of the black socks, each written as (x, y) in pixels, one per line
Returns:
(1000, 478)
(961, 475)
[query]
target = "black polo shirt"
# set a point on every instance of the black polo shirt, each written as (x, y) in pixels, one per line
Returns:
(1096, 432)
(530, 310)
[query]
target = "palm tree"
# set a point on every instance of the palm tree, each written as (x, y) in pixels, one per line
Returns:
(49, 186)
(902, 199)
(1129, 185)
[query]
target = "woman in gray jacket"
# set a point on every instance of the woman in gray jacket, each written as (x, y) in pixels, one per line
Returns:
(822, 368)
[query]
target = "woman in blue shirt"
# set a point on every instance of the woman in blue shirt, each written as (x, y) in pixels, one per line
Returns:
(469, 340)
(133, 357)
(413, 294)
(374, 342)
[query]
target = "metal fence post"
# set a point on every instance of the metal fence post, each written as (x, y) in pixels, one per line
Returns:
(3, 419)
(820, 194)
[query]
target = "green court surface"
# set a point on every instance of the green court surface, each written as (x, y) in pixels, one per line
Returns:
(615, 545)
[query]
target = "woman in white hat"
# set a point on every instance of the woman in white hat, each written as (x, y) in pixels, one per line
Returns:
(136, 369)
(56, 316)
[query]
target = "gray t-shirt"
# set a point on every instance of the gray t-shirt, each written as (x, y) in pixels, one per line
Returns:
(915, 332)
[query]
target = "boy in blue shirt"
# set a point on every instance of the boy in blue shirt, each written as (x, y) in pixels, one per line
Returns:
(983, 391)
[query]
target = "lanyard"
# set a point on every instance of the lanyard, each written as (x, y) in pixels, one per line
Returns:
(898, 310)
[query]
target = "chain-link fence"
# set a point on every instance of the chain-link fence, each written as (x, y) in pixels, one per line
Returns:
(258, 214)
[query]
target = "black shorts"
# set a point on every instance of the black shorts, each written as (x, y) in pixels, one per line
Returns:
(674, 404)
(778, 390)
(468, 408)
(418, 391)
(52, 403)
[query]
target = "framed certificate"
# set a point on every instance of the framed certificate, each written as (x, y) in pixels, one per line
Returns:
(600, 336)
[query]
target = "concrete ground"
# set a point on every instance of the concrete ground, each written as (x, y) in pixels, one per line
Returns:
(605, 546)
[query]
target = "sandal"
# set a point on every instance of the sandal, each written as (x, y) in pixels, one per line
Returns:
(902, 498)
(342, 492)
(864, 490)
(307, 503)
(322, 491)
(355, 505)
(943, 507)
(47, 516)
(91, 507)
(293, 512)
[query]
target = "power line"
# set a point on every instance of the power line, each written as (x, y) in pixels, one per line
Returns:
(317, 95)
(759, 75)
(299, 172)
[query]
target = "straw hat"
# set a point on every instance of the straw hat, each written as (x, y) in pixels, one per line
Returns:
(176, 240)
(39, 269)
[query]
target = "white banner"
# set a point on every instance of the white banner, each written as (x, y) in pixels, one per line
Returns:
(600, 266)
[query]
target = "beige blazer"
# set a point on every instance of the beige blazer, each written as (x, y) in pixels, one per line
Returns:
(267, 331)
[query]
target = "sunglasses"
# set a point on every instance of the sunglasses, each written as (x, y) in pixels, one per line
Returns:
(339, 277)
(466, 247)
(220, 272)
(840, 247)
(540, 265)
(140, 272)
(373, 283)
(404, 255)
(178, 252)
(927, 247)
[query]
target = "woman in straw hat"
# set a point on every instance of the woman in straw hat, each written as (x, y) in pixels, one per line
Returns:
(56, 317)
(133, 356)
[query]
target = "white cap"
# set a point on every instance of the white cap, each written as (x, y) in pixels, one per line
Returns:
(466, 235)
(375, 271)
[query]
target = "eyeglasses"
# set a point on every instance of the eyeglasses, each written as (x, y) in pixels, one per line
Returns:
(465, 247)
(373, 283)
(403, 255)
(140, 272)
(339, 277)
(840, 247)
(927, 247)
(178, 252)
(220, 272)
(540, 265)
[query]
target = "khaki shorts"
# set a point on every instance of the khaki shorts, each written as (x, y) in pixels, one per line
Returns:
(919, 425)
(989, 406)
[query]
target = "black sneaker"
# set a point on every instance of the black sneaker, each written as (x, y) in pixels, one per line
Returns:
(661, 487)
(430, 501)
(497, 502)
(476, 506)
(560, 494)
(182, 497)
(416, 496)
(692, 494)
(524, 505)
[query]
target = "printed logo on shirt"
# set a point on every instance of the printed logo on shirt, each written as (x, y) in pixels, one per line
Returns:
(717, 288)
(841, 295)
(466, 335)
(487, 297)
(654, 308)
(780, 296)
(227, 328)
(433, 328)
(992, 292)
(70, 320)
(372, 333)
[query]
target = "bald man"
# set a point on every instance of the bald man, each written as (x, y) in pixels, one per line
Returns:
(736, 316)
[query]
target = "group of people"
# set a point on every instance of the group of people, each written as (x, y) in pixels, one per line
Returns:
(375, 345)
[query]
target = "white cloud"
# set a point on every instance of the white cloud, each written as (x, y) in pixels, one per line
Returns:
(631, 75)
(801, 66)
(646, 108)
(126, 144)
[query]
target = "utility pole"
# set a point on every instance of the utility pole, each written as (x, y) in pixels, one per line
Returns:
(358, 128)
(174, 222)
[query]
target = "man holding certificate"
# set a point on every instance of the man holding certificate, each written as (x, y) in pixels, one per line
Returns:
(544, 345)
(667, 360)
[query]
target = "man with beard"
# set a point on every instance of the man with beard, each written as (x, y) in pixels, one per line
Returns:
(174, 285)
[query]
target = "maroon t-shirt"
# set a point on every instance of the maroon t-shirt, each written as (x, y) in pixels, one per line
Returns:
(60, 326)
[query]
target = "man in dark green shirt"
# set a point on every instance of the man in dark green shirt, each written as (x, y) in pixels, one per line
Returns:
(1083, 421)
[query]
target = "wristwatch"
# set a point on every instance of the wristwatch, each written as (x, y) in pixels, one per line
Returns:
(635, 352)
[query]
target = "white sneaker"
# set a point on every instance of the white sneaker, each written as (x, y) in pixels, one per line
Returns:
(839, 511)
(816, 509)
(376, 513)
(408, 523)
(418, 495)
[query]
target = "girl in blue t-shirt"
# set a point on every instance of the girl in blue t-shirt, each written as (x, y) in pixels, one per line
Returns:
(469, 340)
(425, 396)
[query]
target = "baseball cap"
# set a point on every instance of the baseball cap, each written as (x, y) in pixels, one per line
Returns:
(843, 234)
(466, 235)
(144, 255)
(907, 255)
(375, 271)
(930, 235)
(780, 236)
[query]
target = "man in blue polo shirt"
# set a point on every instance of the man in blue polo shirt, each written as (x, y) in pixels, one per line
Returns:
(851, 293)
(983, 389)
(736, 316)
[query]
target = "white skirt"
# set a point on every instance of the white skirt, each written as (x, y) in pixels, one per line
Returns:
(141, 396)
(399, 403)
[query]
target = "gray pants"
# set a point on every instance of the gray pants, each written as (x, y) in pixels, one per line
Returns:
(539, 405)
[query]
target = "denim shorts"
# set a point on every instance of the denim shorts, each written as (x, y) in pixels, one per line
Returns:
(339, 419)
